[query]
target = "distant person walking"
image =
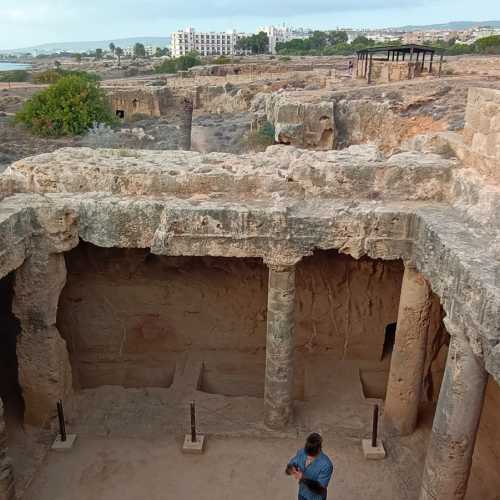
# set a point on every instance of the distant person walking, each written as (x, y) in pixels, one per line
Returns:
(312, 469)
(350, 67)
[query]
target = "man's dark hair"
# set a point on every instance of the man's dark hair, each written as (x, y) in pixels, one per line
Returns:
(313, 444)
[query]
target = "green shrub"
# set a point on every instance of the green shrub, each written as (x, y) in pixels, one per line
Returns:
(260, 139)
(68, 107)
(181, 63)
(15, 75)
(488, 45)
(267, 131)
(54, 75)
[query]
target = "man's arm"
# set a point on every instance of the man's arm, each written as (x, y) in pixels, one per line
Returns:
(319, 486)
(292, 464)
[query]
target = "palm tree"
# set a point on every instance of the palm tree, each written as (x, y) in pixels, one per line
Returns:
(119, 53)
(112, 48)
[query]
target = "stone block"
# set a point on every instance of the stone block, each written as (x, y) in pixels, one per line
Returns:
(197, 447)
(67, 445)
(373, 453)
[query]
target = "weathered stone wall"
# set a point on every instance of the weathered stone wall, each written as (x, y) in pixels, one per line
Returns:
(174, 105)
(302, 124)
(149, 101)
(482, 132)
(258, 69)
(127, 315)
(387, 71)
(365, 120)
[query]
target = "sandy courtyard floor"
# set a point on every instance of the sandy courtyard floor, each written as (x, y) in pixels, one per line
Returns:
(231, 468)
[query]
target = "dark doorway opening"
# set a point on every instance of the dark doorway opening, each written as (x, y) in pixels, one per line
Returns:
(390, 338)
(120, 113)
(10, 390)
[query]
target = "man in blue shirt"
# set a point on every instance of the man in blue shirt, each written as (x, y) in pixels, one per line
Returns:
(312, 469)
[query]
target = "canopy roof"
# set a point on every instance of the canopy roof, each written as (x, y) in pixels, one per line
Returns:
(402, 49)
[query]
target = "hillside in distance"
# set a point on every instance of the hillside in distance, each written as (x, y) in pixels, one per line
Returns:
(49, 48)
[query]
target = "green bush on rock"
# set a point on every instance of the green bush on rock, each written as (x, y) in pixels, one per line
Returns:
(68, 107)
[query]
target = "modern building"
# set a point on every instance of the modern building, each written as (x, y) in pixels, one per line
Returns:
(205, 43)
(422, 37)
(150, 50)
(282, 34)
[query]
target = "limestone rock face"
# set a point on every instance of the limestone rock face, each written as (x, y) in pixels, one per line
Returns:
(359, 171)
(301, 124)
(439, 214)
(482, 131)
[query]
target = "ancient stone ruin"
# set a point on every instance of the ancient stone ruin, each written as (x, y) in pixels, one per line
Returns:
(249, 278)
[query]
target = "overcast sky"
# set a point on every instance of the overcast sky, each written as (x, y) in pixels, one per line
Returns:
(30, 22)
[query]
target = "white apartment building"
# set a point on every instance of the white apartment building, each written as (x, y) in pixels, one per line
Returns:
(150, 50)
(205, 43)
(282, 34)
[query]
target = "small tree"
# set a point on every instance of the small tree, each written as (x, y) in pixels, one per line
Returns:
(162, 52)
(119, 54)
(57, 64)
(257, 44)
(78, 58)
(112, 48)
(181, 63)
(139, 50)
(68, 107)
(488, 45)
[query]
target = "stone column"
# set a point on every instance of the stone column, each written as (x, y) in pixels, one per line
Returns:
(43, 361)
(6, 474)
(186, 124)
(408, 356)
(451, 445)
(280, 346)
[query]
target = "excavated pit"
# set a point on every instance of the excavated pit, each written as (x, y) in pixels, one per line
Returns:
(142, 284)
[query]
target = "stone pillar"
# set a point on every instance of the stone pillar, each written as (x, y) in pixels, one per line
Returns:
(43, 361)
(186, 124)
(6, 473)
(408, 356)
(451, 445)
(280, 346)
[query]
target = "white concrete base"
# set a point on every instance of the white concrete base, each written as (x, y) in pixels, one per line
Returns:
(373, 453)
(64, 445)
(197, 447)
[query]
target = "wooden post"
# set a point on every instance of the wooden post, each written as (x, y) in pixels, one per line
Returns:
(423, 61)
(370, 69)
(430, 65)
(440, 65)
(366, 65)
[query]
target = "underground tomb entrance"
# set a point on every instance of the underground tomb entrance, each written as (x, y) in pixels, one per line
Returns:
(10, 389)
(131, 318)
